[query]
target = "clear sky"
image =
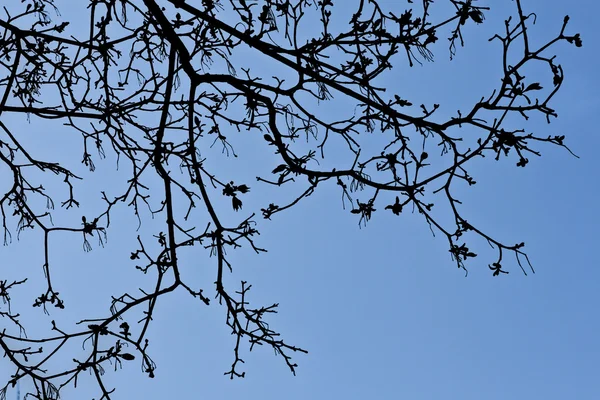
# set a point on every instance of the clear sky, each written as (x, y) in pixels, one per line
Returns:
(383, 310)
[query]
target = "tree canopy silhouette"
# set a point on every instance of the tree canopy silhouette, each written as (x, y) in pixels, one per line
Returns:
(165, 87)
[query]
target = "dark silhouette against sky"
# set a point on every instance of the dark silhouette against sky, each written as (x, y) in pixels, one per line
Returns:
(153, 151)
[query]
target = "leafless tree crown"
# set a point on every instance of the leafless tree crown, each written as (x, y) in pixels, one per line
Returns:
(161, 87)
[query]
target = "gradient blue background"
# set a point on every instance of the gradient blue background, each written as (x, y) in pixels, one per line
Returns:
(383, 310)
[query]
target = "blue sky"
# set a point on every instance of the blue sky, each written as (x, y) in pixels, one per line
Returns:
(382, 310)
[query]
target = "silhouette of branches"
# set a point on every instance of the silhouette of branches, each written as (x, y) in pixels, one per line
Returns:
(158, 83)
